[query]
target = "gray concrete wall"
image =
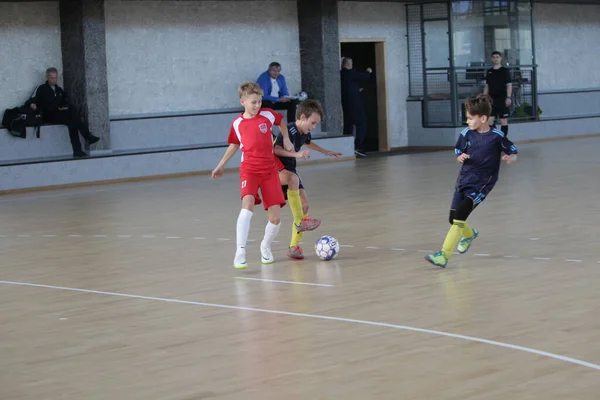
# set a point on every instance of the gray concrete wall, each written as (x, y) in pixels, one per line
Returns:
(133, 166)
(28, 46)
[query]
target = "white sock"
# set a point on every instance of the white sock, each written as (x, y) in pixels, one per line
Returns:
(271, 230)
(243, 228)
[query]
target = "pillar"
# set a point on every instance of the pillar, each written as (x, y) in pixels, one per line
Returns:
(320, 59)
(84, 63)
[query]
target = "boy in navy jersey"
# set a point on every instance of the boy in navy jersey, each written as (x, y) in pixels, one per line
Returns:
(479, 148)
(308, 115)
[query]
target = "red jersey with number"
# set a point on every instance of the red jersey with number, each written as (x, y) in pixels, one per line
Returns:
(255, 137)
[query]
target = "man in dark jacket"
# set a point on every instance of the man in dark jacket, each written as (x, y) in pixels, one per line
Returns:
(52, 101)
(352, 104)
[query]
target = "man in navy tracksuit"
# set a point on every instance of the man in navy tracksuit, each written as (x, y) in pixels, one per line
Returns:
(52, 101)
(352, 104)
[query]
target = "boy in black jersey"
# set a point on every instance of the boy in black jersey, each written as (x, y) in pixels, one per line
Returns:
(308, 115)
(479, 149)
(498, 85)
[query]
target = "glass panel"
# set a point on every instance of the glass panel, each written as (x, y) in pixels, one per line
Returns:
(481, 27)
(437, 46)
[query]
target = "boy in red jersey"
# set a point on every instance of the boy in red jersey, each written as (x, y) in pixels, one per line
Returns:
(252, 133)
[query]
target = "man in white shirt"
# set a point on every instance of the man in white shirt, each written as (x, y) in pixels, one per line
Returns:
(276, 94)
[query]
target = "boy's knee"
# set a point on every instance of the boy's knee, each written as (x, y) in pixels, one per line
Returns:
(274, 219)
(248, 202)
(294, 182)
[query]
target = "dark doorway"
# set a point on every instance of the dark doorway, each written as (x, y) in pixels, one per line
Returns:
(364, 56)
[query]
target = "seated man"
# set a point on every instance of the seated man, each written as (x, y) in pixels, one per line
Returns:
(276, 94)
(51, 99)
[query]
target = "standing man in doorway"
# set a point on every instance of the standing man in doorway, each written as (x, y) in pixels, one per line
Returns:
(498, 85)
(352, 104)
(276, 94)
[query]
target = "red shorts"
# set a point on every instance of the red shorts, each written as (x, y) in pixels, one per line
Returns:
(270, 188)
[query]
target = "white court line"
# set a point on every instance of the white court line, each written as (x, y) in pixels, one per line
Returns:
(323, 317)
(291, 282)
(275, 241)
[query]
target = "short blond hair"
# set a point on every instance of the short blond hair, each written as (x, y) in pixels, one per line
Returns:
(248, 88)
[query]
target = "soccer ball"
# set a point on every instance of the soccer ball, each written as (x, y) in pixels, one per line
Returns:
(327, 248)
(302, 96)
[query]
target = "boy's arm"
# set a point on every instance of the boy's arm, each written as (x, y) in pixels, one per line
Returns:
(280, 152)
(461, 143)
(287, 143)
(313, 146)
(461, 147)
(510, 150)
(231, 150)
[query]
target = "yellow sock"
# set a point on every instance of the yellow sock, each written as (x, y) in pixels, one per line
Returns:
(297, 236)
(467, 231)
(452, 238)
(296, 207)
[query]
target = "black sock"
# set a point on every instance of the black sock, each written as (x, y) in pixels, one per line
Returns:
(505, 130)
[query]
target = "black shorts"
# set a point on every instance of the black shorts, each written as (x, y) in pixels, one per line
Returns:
(499, 108)
(284, 188)
(477, 193)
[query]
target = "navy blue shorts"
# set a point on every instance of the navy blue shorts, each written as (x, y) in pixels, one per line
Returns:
(475, 193)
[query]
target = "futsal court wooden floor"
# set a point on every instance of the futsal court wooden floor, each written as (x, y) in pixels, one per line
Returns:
(127, 291)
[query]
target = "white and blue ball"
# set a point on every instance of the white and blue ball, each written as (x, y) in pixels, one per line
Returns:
(327, 248)
(302, 96)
